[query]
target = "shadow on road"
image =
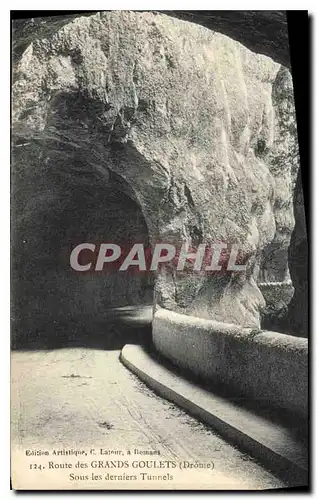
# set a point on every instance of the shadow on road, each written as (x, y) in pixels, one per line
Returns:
(130, 324)
(296, 425)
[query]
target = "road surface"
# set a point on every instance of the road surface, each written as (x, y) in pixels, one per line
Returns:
(84, 397)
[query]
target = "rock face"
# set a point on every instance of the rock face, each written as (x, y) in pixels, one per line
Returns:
(283, 162)
(297, 320)
(189, 120)
(264, 32)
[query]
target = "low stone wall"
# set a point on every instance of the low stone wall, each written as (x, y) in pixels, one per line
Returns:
(263, 365)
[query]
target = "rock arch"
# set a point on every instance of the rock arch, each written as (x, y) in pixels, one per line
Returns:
(180, 118)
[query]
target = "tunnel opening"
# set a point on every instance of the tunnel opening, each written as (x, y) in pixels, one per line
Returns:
(60, 202)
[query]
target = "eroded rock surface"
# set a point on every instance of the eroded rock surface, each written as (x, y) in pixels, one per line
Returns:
(189, 119)
(264, 32)
(297, 320)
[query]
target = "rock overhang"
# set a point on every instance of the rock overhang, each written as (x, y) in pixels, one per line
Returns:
(183, 114)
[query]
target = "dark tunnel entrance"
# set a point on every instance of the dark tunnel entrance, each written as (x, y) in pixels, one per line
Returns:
(61, 206)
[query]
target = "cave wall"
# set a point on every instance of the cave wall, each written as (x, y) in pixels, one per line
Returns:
(297, 318)
(262, 31)
(188, 118)
(59, 204)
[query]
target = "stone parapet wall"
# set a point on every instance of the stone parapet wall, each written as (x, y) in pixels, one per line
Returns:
(267, 366)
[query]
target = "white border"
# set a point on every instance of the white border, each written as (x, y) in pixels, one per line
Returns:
(164, 5)
(5, 180)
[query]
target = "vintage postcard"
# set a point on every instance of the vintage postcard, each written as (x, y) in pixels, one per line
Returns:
(159, 252)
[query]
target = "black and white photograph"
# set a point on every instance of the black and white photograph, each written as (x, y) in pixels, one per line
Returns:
(159, 251)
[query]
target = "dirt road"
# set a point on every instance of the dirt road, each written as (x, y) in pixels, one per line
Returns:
(84, 397)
